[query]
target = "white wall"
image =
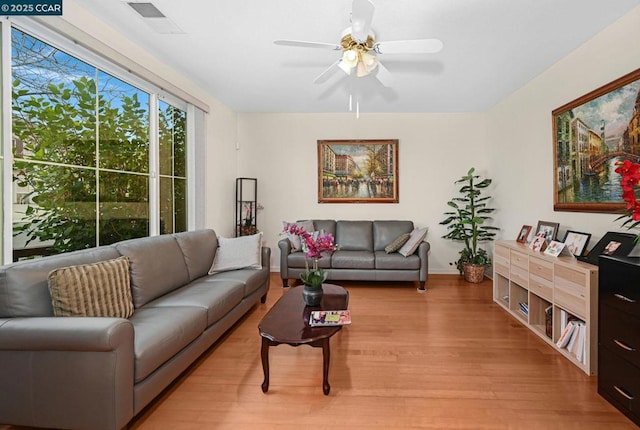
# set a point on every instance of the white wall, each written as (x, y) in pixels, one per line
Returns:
(512, 144)
(521, 138)
(221, 121)
(434, 151)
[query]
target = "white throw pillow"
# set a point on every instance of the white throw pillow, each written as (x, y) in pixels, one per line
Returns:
(296, 245)
(417, 236)
(238, 253)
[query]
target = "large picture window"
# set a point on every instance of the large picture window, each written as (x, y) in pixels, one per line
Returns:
(173, 168)
(82, 175)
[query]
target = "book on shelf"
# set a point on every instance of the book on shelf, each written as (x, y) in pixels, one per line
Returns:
(524, 308)
(565, 336)
(581, 345)
(330, 318)
(572, 337)
(563, 319)
(575, 334)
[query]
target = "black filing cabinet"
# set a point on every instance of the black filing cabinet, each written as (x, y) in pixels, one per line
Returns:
(619, 333)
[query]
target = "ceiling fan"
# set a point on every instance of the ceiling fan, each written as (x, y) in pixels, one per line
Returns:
(359, 47)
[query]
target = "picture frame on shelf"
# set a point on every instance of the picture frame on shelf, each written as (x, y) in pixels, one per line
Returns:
(539, 243)
(555, 248)
(549, 229)
(576, 242)
(612, 243)
(524, 234)
(588, 140)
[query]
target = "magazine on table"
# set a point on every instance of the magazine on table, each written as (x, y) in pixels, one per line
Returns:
(330, 318)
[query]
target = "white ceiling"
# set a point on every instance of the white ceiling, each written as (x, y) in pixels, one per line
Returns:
(491, 48)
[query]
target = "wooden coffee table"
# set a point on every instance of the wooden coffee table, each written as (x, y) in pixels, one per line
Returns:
(288, 322)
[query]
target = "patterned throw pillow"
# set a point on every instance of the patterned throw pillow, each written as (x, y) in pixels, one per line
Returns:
(397, 244)
(92, 290)
(244, 252)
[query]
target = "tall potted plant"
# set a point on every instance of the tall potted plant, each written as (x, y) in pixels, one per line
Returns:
(466, 223)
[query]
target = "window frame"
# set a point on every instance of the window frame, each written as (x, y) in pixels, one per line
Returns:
(106, 65)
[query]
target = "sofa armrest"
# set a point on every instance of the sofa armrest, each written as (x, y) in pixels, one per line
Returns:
(285, 250)
(64, 334)
(67, 372)
(423, 253)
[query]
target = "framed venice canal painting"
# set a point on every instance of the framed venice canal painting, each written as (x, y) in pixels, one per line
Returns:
(358, 171)
(591, 135)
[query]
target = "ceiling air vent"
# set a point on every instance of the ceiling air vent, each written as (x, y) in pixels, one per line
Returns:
(155, 19)
(147, 10)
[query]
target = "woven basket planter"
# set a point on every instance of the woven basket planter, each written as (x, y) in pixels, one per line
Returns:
(473, 273)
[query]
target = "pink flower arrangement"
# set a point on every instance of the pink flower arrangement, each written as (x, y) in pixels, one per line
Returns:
(316, 245)
(630, 173)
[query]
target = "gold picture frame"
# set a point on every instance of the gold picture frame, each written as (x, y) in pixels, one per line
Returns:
(590, 135)
(358, 171)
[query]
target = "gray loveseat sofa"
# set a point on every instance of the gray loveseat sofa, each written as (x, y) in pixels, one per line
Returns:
(361, 254)
(98, 373)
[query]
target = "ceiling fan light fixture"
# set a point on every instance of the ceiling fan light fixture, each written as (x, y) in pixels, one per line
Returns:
(345, 67)
(366, 65)
(350, 57)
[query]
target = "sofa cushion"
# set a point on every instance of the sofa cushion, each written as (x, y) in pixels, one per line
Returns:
(238, 253)
(352, 260)
(24, 291)
(397, 243)
(157, 266)
(294, 239)
(386, 231)
(92, 290)
(396, 261)
(417, 236)
(250, 279)
(198, 248)
(161, 332)
(326, 225)
(297, 260)
(355, 235)
(217, 297)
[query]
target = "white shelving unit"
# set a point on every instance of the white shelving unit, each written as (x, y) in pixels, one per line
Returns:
(570, 287)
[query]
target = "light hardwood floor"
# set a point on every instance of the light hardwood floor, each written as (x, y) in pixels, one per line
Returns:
(446, 359)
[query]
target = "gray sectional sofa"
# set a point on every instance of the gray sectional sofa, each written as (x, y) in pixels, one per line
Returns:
(361, 254)
(98, 373)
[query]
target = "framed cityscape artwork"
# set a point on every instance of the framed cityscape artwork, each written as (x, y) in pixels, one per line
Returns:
(358, 171)
(591, 134)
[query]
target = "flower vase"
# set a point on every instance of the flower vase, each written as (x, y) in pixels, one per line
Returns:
(312, 295)
(313, 279)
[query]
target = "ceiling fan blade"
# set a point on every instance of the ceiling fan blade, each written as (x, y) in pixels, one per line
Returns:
(419, 46)
(324, 76)
(304, 44)
(384, 76)
(361, 17)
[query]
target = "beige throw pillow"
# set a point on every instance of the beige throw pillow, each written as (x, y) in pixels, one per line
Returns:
(92, 290)
(397, 243)
(417, 236)
(244, 252)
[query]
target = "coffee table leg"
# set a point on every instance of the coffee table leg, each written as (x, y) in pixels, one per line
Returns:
(326, 355)
(264, 353)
